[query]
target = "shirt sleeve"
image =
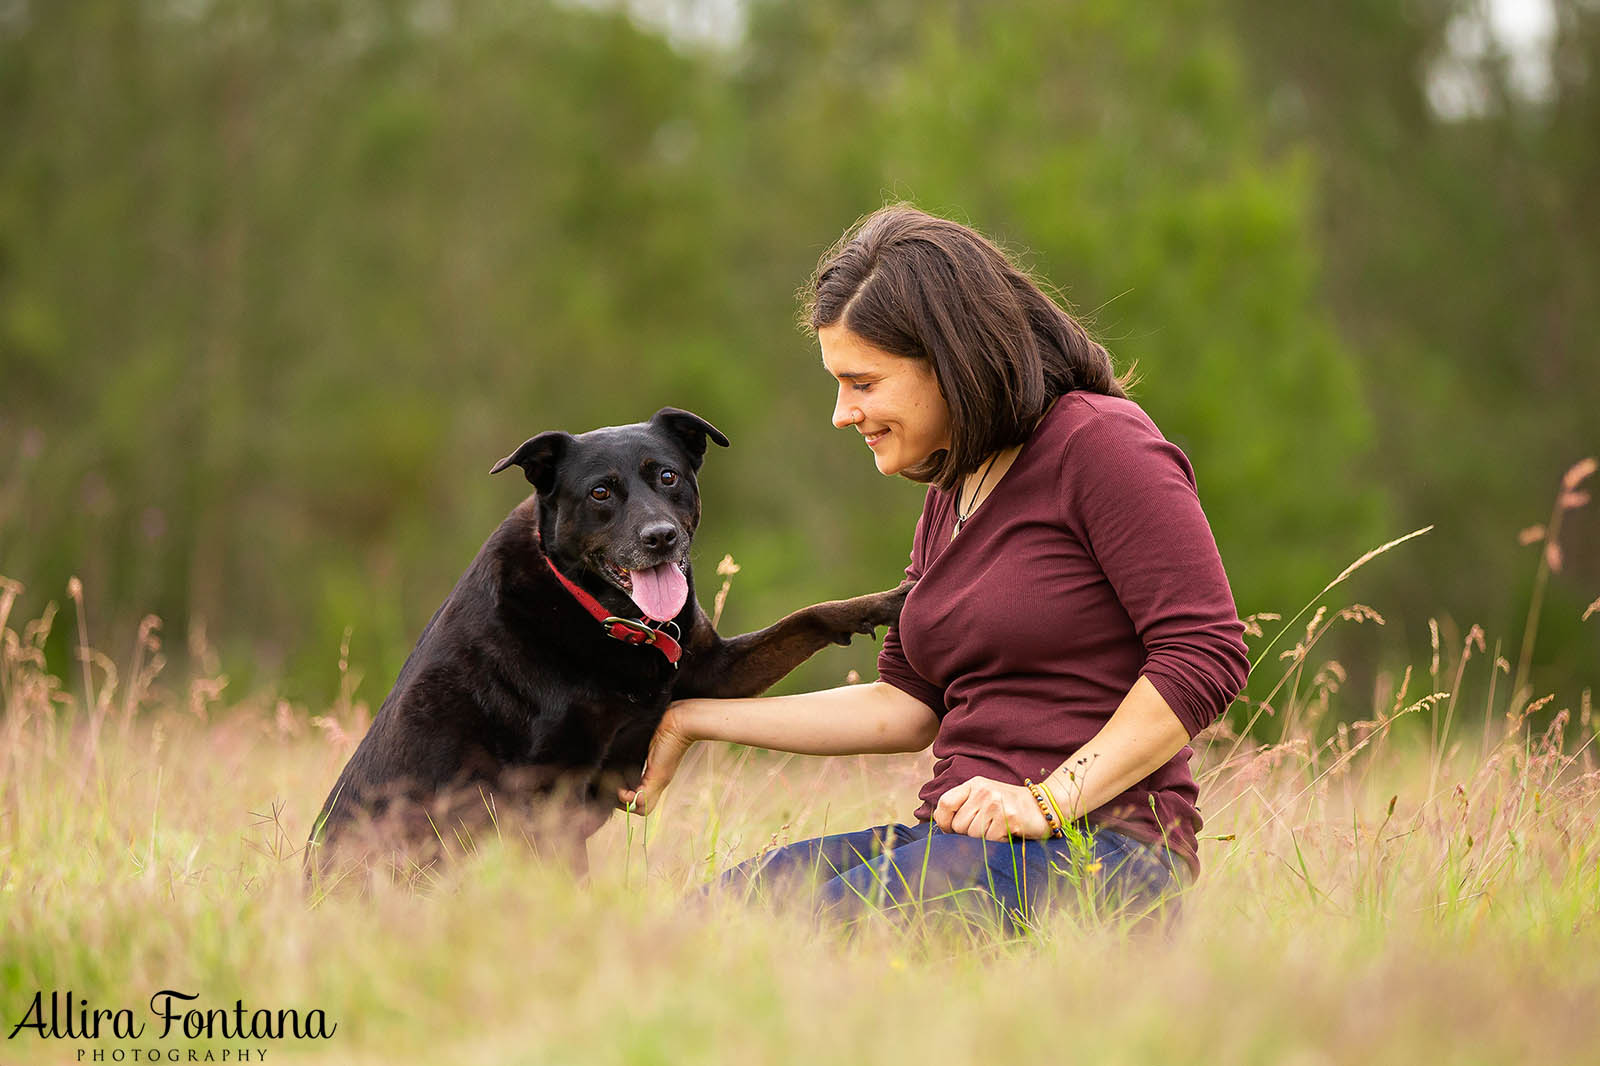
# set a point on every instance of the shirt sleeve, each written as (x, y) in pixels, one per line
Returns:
(1130, 496)
(893, 667)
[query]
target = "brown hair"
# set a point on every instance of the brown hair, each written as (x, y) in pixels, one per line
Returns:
(927, 288)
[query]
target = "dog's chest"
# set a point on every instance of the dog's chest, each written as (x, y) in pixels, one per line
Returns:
(610, 711)
(592, 691)
(583, 732)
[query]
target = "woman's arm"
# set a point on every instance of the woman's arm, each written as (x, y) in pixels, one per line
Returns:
(874, 718)
(1141, 735)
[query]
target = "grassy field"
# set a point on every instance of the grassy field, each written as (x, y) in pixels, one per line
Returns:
(1422, 885)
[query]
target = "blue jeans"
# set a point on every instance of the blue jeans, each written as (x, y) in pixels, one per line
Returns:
(911, 872)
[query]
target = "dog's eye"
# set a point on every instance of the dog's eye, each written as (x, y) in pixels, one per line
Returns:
(600, 492)
(669, 477)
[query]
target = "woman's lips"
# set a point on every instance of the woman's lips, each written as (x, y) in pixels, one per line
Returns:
(873, 439)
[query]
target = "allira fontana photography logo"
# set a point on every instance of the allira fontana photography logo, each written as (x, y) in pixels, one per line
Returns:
(172, 1015)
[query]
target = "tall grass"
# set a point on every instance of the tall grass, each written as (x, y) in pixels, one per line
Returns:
(1410, 875)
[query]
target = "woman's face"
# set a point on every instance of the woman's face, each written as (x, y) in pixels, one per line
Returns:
(892, 401)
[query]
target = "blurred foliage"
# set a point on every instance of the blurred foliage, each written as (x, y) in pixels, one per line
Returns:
(279, 281)
(1461, 260)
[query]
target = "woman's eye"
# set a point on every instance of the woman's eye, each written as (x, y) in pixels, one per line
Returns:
(669, 477)
(600, 492)
(860, 386)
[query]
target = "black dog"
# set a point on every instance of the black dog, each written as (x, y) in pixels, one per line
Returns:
(538, 684)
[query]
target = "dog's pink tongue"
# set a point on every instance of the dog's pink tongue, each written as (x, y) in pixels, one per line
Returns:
(660, 591)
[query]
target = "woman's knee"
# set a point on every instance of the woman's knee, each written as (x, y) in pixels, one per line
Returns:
(782, 872)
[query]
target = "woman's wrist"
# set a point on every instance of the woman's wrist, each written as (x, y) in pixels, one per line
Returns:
(1067, 786)
(1048, 807)
(685, 718)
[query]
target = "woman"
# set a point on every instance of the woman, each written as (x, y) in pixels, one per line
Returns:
(1071, 628)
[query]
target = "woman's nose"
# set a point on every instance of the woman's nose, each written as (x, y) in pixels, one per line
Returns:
(844, 412)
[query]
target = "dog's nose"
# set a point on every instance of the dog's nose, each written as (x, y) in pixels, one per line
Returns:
(659, 536)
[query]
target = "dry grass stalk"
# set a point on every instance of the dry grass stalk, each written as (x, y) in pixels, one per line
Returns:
(1340, 857)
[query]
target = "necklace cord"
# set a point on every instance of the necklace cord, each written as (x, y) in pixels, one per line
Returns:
(972, 504)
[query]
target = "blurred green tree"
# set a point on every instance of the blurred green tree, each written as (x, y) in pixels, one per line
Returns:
(1457, 156)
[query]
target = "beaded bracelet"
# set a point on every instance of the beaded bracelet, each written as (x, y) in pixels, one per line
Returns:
(1047, 807)
(1061, 819)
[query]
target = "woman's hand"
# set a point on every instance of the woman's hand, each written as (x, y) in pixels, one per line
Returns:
(990, 810)
(667, 749)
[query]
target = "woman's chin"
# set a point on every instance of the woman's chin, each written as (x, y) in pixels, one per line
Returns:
(886, 466)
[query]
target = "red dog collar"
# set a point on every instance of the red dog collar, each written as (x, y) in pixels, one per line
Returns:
(627, 630)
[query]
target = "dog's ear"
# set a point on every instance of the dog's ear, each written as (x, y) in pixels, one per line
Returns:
(689, 429)
(539, 456)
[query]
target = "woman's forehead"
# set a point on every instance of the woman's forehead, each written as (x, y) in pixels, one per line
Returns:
(847, 355)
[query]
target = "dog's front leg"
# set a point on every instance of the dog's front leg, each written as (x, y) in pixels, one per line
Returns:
(750, 664)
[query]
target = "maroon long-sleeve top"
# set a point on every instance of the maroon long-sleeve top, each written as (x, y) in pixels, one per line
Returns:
(1089, 564)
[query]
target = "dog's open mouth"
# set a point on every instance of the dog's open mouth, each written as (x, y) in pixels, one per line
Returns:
(659, 592)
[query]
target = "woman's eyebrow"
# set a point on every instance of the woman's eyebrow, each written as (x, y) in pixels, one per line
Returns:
(846, 375)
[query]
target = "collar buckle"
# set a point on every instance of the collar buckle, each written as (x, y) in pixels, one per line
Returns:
(640, 632)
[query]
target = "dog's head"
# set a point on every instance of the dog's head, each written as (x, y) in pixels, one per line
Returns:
(620, 505)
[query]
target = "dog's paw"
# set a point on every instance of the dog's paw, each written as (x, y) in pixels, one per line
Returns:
(864, 614)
